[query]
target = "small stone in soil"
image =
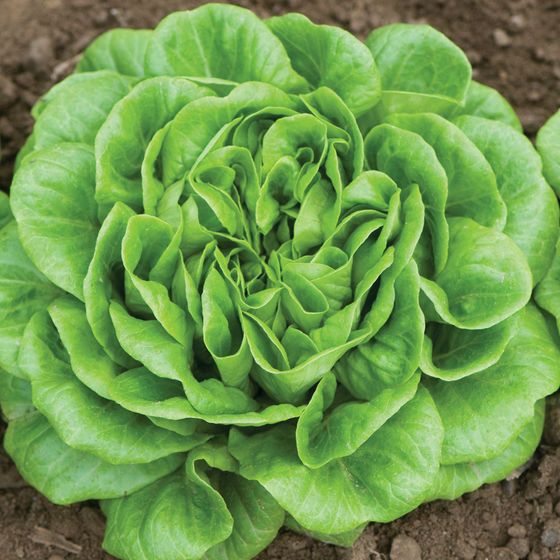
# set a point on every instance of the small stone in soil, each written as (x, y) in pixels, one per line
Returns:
(501, 38)
(517, 23)
(464, 550)
(504, 554)
(520, 546)
(517, 531)
(404, 547)
(550, 536)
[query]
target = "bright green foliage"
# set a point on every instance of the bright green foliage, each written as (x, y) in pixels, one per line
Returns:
(548, 145)
(262, 274)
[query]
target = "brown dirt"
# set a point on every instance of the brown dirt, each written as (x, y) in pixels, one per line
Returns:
(514, 46)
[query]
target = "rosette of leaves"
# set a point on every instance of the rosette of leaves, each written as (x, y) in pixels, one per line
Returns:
(263, 274)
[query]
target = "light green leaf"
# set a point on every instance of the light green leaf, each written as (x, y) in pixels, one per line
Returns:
(472, 189)
(388, 149)
(179, 517)
(418, 58)
(256, 518)
(54, 205)
(142, 392)
(329, 56)
(122, 140)
(548, 145)
(98, 283)
(479, 286)
(121, 50)
(66, 475)
(90, 363)
(75, 113)
(325, 432)
(392, 356)
(454, 480)
(147, 341)
(345, 539)
(82, 419)
(366, 486)
(23, 291)
(484, 101)
(203, 124)
(5, 212)
(451, 353)
(15, 396)
(421, 69)
(532, 210)
(222, 332)
(547, 293)
(503, 395)
(184, 44)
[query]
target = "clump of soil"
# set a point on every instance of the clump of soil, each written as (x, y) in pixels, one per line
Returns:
(513, 46)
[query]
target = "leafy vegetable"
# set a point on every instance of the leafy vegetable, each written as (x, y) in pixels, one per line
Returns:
(263, 274)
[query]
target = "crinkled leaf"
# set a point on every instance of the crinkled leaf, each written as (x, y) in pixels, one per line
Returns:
(326, 431)
(15, 396)
(329, 56)
(122, 140)
(366, 486)
(547, 293)
(257, 517)
(472, 189)
(479, 286)
(82, 419)
(179, 517)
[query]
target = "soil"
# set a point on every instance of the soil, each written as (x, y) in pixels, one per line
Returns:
(514, 46)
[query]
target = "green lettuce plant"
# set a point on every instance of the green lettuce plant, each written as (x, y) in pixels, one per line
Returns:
(262, 274)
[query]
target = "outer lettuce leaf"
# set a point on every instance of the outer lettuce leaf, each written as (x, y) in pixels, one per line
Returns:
(66, 475)
(191, 515)
(248, 50)
(121, 50)
(23, 291)
(548, 145)
(5, 212)
(483, 101)
(71, 114)
(328, 56)
(347, 492)
(53, 201)
(503, 395)
(547, 294)
(532, 211)
(454, 480)
(83, 420)
(421, 69)
(15, 396)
